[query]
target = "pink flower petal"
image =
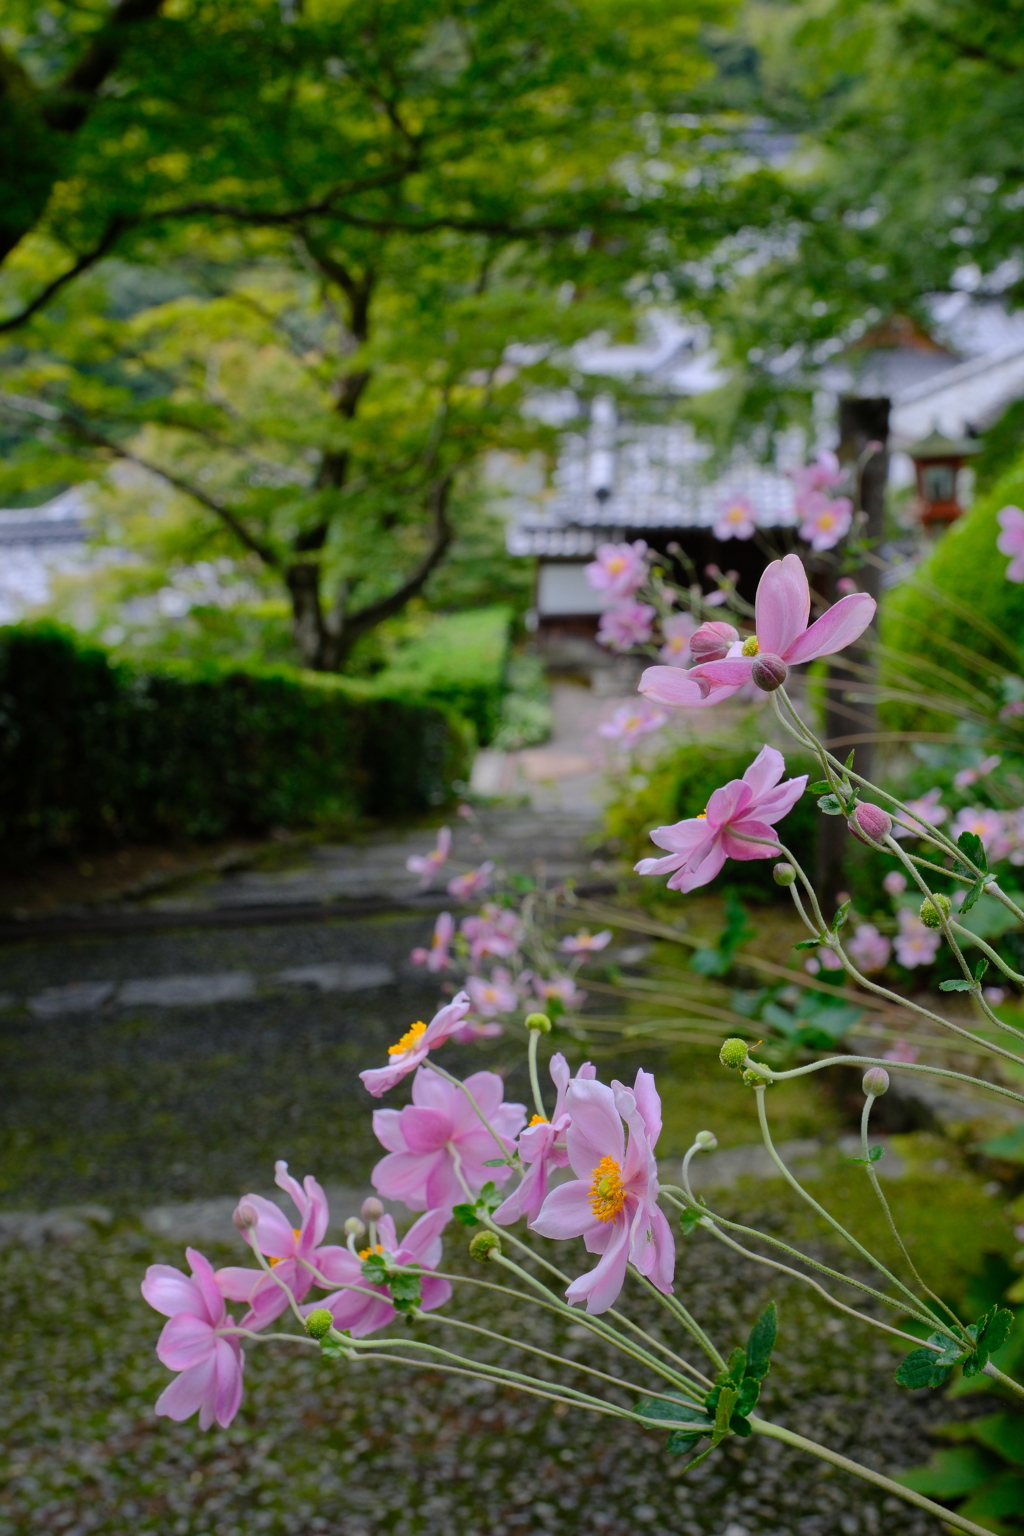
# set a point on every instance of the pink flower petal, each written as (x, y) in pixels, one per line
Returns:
(600, 1288)
(228, 1387)
(169, 1291)
(596, 1130)
(184, 1341)
(422, 1243)
(693, 879)
(764, 772)
(566, 1212)
(782, 605)
(424, 1130)
(672, 686)
(725, 676)
(839, 626)
(189, 1391)
(648, 1102)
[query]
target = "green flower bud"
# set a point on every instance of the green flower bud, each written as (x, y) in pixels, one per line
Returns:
(783, 874)
(319, 1323)
(353, 1227)
(875, 1081)
(484, 1246)
(755, 1079)
(706, 1140)
(371, 1209)
(539, 1021)
(929, 914)
(733, 1053)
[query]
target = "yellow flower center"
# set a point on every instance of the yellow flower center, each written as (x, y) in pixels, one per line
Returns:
(701, 816)
(607, 1192)
(616, 564)
(736, 515)
(750, 647)
(296, 1233)
(364, 1253)
(409, 1040)
(826, 521)
(539, 1120)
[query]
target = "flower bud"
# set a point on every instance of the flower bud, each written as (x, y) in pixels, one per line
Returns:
(869, 823)
(755, 1079)
(875, 1082)
(711, 641)
(371, 1209)
(783, 874)
(245, 1216)
(932, 906)
(539, 1021)
(768, 672)
(484, 1246)
(319, 1323)
(733, 1053)
(353, 1227)
(706, 1140)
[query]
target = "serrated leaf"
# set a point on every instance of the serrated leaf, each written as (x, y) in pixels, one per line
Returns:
(830, 805)
(490, 1197)
(740, 1425)
(688, 1220)
(976, 890)
(980, 969)
(331, 1349)
(375, 1269)
(466, 1214)
(873, 1156)
(975, 1363)
(921, 1369)
(956, 986)
(842, 913)
(724, 1409)
(994, 1328)
(972, 847)
(761, 1343)
(750, 1391)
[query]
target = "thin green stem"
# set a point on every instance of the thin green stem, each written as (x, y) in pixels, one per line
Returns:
(534, 1076)
(890, 1066)
(689, 1322)
(994, 956)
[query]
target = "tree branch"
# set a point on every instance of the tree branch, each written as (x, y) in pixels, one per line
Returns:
(114, 230)
(68, 106)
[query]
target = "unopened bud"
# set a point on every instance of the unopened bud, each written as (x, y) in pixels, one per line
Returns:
(706, 1140)
(319, 1323)
(869, 823)
(711, 641)
(484, 1246)
(245, 1216)
(371, 1209)
(768, 672)
(733, 1053)
(932, 906)
(783, 874)
(540, 1022)
(353, 1227)
(875, 1082)
(753, 1078)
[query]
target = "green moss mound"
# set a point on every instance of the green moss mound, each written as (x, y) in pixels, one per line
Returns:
(94, 752)
(958, 625)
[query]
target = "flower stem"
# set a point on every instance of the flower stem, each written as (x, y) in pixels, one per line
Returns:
(534, 1077)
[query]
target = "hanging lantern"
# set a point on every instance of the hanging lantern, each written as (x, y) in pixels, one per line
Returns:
(937, 462)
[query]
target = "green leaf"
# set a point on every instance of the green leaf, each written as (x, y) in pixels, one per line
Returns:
(920, 1369)
(994, 1328)
(750, 1391)
(956, 986)
(375, 1268)
(331, 1349)
(740, 1425)
(680, 1441)
(490, 1197)
(709, 962)
(761, 1343)
(974, 891)
(688, 1220)
(822, 787)
(727, 1400)
(980, 969)
(873, 1156)
(466, 1214)
(849, 760)
(972, 847)
(554, 1007)
(496, 1162)
(831, 805)
(842, 913)
(807, 944)
(677, 1411)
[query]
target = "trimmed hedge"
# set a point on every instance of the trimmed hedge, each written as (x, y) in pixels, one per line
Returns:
(94, 752)
(461, 660)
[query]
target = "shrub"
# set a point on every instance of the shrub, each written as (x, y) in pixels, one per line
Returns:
(93, 751)
(958, 613)
(459, 660)
(678, 785)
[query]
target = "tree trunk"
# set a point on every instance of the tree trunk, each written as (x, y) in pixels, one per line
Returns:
(847, 723)
(303, 581)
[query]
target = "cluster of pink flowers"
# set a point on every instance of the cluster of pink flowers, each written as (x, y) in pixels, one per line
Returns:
(630, 722)
(618, 570)
(824, 518)
(869, 949)
(1011, 541)
(627, 624)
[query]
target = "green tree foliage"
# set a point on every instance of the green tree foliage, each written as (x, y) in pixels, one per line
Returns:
(380, 227)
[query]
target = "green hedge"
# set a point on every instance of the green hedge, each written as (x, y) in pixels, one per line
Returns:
(680, 783)
(460, 660)
(93, 752)
(958, 613)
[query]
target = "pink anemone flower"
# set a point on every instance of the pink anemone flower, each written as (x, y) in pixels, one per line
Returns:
(825, 522)
(736, 519)
(495, 996)
(926, 809)
(542, 1147)
(362, 1307)
(466, 887)
(631, 721)
(916, 944)
(293, 1251)
(494, 931)
(426, 865)
(619, 569)
(781, 610)
(986, 823)
(436, 958)
(193, 1343)
(626, 625)
(824, 474)
(613, 1201)
(562, 987)
(743, 809)
(473, 1029)
(415, 1045)
(1011, 541)
(868, 949)
(676, 632)
(586, 943)
(438, 1147)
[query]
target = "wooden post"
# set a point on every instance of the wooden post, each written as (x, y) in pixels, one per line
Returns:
(861, 421)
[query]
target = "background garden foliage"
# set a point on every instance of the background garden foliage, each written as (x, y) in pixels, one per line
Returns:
(93, 751)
